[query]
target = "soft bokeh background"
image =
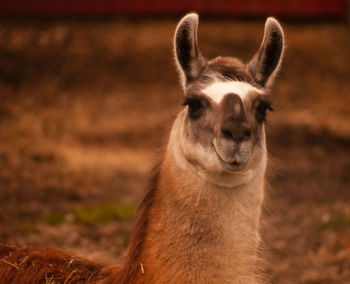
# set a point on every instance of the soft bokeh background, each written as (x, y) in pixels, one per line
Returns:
(85, 104)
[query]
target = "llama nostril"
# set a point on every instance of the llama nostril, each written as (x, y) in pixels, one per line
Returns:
(237, 136)
(226, 133)
(247, 133)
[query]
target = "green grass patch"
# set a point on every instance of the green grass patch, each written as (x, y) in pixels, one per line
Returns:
(104, 213)
(335, 224)
(54, 218)
(26, 226)
(97, 214)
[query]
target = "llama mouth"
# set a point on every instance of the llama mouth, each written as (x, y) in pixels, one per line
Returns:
(229, 166)
(234, 163)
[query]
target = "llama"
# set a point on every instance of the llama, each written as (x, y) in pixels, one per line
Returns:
(199, 218)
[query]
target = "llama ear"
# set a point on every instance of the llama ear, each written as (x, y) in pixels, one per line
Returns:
(266, 62)
(189, 59)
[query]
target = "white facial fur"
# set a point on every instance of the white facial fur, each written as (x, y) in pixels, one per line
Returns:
(218, 90)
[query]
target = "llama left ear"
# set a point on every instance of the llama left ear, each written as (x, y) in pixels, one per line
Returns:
(266, 62)
(189, 58)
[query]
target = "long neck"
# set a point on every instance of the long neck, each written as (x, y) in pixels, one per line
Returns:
(192, 231)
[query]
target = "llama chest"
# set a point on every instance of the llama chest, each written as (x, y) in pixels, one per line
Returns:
(197, 244)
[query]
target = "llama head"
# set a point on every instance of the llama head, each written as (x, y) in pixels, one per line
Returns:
(222, 124)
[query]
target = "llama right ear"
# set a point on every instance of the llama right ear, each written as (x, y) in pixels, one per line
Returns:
(266, 62)
(189, 59)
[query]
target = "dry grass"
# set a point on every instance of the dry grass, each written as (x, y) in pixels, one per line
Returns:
(85, 105)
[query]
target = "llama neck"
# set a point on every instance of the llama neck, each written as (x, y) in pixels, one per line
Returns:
(191, 230)
(203, 233)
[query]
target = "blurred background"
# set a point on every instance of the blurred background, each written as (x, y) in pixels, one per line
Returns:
(88, 92)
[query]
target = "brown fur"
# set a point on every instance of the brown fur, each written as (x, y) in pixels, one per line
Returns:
(231, 68)
(45, 265)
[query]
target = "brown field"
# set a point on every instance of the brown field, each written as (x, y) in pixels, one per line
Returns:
(84, 106)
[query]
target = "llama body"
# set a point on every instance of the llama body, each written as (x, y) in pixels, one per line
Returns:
(199, 219)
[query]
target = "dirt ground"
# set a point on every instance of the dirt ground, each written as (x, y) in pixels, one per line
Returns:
(84, 106)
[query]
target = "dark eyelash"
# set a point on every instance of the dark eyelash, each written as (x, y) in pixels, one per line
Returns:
(261, 109)
(266, 105)
(194, 106)
(189, 101)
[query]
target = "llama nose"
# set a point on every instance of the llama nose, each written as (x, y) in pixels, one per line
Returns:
(237, 134)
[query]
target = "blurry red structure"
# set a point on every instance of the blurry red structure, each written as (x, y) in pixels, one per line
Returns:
(290, 8)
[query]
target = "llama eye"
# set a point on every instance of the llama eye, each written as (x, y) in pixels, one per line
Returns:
(261, 109)
(194, 107)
